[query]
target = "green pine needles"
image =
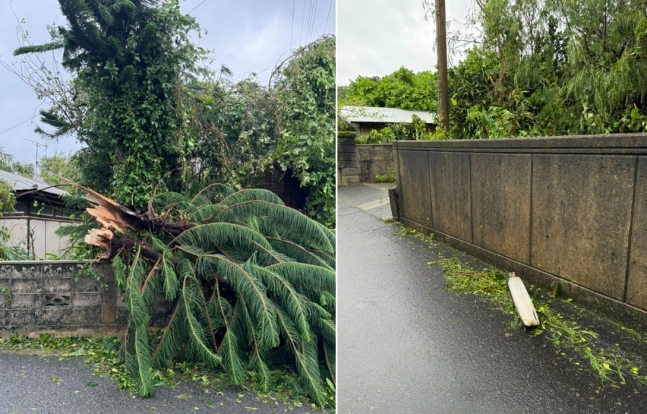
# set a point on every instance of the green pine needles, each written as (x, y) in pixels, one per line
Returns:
(251, 283)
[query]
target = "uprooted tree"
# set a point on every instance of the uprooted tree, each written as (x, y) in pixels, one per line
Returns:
(251, 281)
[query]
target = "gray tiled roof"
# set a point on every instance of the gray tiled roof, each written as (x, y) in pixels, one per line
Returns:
(388, 115)
(20, 183)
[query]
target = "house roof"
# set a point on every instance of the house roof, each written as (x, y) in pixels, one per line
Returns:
(357, 114)
(20, 183)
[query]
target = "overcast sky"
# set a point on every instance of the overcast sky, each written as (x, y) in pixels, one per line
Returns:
(376, 37)
(246, 35)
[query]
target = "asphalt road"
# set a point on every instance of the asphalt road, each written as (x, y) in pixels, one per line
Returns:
(35, 384)
(407, 345)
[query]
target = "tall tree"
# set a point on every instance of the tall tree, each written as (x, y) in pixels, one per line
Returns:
(402, 89)
(53, 167)
(128, 58)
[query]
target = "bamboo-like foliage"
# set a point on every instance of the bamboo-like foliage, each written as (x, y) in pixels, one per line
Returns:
(251, 281)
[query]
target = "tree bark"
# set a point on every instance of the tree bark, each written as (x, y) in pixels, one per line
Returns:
(116, 219)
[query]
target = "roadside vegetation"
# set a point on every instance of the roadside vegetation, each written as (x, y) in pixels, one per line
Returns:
(175, 145)
(532, 68)
(102, 355)
(614, 356)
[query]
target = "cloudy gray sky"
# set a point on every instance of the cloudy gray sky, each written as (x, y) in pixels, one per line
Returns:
(376, 37)
(246, 35)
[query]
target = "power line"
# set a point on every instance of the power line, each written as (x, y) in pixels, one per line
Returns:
(17, 125)
(305, 40)
(311, 19)
(201, 3)
(312, 25)
(326, 25)
(294, 5)
(303, 16)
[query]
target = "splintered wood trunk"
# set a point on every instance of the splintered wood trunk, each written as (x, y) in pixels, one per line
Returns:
(115, 218)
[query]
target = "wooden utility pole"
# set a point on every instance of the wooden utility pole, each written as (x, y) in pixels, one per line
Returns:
(441, 45)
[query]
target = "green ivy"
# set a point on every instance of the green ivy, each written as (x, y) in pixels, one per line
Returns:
(128, 60)
(305, 86)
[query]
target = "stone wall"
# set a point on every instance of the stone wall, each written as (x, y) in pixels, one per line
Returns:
(374, 159)
(51, 296)
(570, 211)
(362, 163)
(347, 163)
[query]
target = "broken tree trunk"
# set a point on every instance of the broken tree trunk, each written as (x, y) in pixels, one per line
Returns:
(246, 277)
(115, 219)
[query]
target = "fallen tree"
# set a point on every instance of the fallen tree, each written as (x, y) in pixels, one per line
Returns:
(252, 283)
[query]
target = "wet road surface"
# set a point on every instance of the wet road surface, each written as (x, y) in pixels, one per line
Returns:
(406, 345)
(36, 384)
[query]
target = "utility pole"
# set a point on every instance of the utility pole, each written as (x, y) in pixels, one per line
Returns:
(441, 45)
(38, 145)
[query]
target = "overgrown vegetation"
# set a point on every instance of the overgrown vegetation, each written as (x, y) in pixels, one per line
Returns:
(154, 117)
(401, 89)
(251, 282)
(7, 198)
(537, 68)
(610, 364)
(7, 250)
(305, 87)
(389, 177)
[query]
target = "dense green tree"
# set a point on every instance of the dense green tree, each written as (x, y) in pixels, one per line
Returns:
(236, 127)
(128, 59)
(538, 68)
(243, 129)
(401, 89)
(17, 167)
(306, 114)
(52, 168)
(148, 124)
(364, 91)
(553, 68)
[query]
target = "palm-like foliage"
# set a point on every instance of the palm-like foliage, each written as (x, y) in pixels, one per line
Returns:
(252, 283)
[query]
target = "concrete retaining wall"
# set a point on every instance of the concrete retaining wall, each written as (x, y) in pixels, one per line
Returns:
(374, 159)
(51, 296)
(347, 163)
(362, 163)
(565, 210)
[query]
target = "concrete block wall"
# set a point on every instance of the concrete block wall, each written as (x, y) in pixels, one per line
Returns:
(347, 163)
(570, 211)
(38, 296)
(362, 163)
(374, 159)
